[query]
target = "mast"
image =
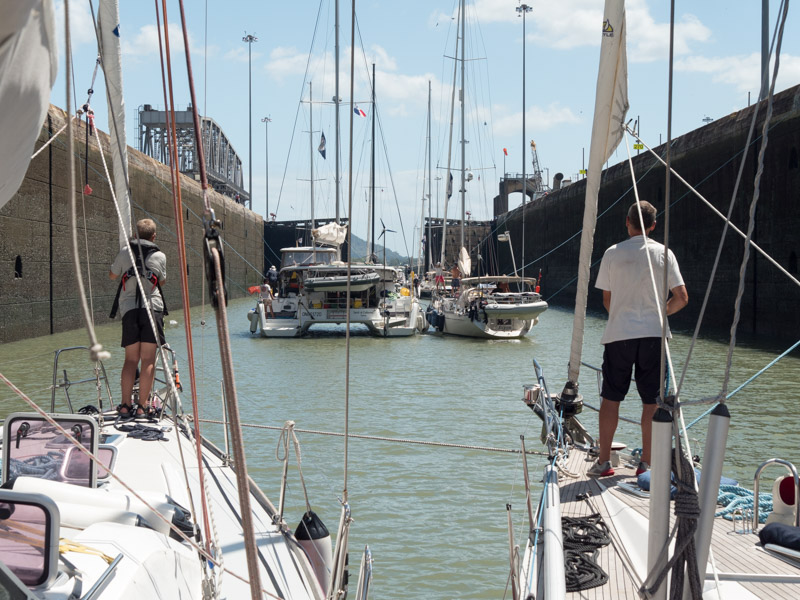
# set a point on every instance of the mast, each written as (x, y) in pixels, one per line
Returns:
(448, 185)
(463, 140)
(336, 101)
(311, 154)
(372, 175)
(430, 176)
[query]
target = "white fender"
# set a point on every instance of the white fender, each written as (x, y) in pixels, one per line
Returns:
(314, 538)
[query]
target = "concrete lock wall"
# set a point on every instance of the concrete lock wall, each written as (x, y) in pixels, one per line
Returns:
(709, 159)
(44, 299)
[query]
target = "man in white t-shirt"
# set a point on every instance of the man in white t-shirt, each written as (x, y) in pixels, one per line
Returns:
(632, 338)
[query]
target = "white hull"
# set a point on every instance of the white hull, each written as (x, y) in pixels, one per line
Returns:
(460, 324)
(400, 318)
(154, 565)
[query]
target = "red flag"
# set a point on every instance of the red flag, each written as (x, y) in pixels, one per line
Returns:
(505, 151)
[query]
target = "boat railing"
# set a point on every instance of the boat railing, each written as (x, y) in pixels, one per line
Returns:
(65, 383)
(364, 575)
(793, 471)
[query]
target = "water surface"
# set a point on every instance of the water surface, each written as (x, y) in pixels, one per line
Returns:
(434, 517)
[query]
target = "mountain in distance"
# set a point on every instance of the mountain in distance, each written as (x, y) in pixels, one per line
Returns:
(392, 258)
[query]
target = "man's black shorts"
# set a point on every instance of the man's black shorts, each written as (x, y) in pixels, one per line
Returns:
(136, 327)
(620, 358)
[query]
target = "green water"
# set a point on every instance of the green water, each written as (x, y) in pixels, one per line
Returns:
(434, 517)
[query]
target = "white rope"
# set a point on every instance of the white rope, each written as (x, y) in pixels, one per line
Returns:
(288, 435)
(53, 137)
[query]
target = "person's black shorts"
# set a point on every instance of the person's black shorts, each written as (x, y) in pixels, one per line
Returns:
(136, 327)
(620, 358)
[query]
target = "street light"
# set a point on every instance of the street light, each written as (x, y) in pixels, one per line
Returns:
(267, 121)
(249, 39)
(523, 9)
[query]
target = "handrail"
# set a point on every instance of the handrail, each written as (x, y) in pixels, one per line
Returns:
(66, 383)
(364, 575)
(793, 472)
(95, 589)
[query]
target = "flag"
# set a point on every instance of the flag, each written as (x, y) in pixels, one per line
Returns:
(359, 112)
(450, 186)
(505, 151)
(322, 145)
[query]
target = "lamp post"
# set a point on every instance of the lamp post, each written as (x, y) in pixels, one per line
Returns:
(523, 9)
(249, 39)
(266, 121)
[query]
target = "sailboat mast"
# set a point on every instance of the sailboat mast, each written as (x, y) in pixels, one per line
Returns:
(311, 149)
(372, 171)
(463, 140)
(448, 184)
(336, 101)
(430, 176)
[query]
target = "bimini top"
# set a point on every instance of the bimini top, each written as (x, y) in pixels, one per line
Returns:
(498, 279)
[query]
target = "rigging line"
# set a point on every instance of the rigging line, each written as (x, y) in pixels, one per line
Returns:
(120, 143)
(387, 439)
(743, 385)
(176, 200)
(299, 105)
(756, 197)
(86, 452)
(725, 218)
(96, 351)
(349, 261)
(385, 154)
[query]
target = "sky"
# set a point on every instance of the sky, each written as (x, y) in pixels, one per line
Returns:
(412, 44)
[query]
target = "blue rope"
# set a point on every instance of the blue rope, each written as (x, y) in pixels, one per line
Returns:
(734, 497)
(741, 387)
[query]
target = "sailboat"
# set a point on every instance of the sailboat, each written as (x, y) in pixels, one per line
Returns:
(95, 508)
(492, 307)
(613, 535)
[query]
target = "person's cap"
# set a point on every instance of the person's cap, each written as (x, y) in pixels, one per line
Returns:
(272, 268)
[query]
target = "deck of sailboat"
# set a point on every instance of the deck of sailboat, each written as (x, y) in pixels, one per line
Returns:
(738, 553)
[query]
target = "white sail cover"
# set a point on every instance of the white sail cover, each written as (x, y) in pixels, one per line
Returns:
(331, 234)
(611, 105)
(109, 32)
(464, 263)
(28, 65)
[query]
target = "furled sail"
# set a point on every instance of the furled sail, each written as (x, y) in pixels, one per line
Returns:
(611, 105)
(28, 65)
(109, 32)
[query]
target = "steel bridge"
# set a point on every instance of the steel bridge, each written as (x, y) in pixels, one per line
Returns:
(223, 165)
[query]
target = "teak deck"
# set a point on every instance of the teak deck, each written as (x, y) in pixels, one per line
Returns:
(734, 553)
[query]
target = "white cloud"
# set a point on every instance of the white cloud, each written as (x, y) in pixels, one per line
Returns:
(81, 27)
(241, 54)
(537, 118)
(145, 42)
(742, 72)
(575, 23)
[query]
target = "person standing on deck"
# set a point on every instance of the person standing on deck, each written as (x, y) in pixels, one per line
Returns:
(266, 296)
(138, 338)
(632, 337)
